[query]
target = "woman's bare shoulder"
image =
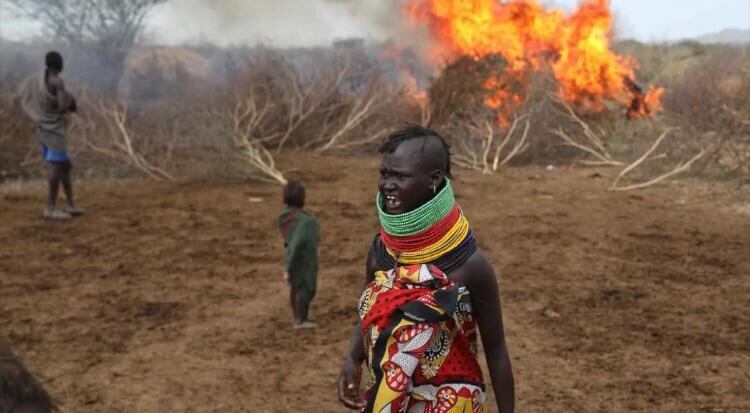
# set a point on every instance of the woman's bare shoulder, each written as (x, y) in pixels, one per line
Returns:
(475, 272)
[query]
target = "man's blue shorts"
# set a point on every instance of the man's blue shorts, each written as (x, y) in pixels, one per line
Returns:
(52, 156)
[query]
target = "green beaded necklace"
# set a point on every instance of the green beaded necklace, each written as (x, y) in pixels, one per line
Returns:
(412, 222)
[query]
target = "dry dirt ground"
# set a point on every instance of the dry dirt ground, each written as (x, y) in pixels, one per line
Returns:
(169, 297)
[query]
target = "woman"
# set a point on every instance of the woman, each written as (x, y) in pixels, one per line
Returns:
(428, 288)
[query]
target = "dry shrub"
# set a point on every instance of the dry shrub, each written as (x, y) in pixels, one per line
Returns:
(711, 104)
(322, 101)
(17, 148)
(106, 130)
(458, 93)
(456, 107)
(486, 139)
(271, 103)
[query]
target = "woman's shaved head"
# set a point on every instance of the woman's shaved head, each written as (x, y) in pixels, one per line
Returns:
(434, 151)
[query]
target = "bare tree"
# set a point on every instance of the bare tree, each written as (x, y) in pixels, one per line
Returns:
(108, 28)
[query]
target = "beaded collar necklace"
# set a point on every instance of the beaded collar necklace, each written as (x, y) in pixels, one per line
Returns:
(436, 232)
(420, 219)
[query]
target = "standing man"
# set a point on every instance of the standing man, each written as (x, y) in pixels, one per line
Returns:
(47, 103)
(301, 233)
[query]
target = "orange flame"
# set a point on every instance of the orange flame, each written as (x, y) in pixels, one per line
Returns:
(576, 47)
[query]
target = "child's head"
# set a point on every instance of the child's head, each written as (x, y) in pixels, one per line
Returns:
(294, 194)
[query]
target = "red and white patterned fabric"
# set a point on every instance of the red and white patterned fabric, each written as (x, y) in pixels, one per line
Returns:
(420, 338)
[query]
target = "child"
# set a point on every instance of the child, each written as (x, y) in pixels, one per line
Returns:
(301, 234)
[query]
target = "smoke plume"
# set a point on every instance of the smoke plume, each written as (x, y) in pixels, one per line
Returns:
(281, 23)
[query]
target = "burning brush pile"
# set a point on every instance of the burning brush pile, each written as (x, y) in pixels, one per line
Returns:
(516, 75)
(575, 49)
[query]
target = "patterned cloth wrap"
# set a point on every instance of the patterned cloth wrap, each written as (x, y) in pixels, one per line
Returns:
(420, 340)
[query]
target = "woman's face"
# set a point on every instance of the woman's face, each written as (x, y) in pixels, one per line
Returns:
(406, 181)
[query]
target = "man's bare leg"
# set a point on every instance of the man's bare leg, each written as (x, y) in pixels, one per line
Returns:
(65, 179)
(68, 188)
(55, 172)
(54, 177)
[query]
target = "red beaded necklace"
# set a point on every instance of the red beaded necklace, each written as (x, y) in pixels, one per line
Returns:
(425, 238)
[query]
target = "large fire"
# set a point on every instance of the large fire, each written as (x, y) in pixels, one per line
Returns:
(575, 47)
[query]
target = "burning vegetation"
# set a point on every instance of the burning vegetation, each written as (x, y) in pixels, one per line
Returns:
(528, 38)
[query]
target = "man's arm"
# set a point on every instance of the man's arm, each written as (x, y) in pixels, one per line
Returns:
(485, 300)
(65, 102)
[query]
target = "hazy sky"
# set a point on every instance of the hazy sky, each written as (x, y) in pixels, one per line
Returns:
(309, 22)
(659, 20)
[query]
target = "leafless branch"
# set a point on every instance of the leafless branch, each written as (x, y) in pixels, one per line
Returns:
(682, 167)
(360, 111)
(246, 117)
(305, 101)
(519, 147)
(118, 142)
(602, 159)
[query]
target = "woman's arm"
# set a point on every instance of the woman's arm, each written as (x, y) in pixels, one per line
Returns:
(347, 385)
(485, 300)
